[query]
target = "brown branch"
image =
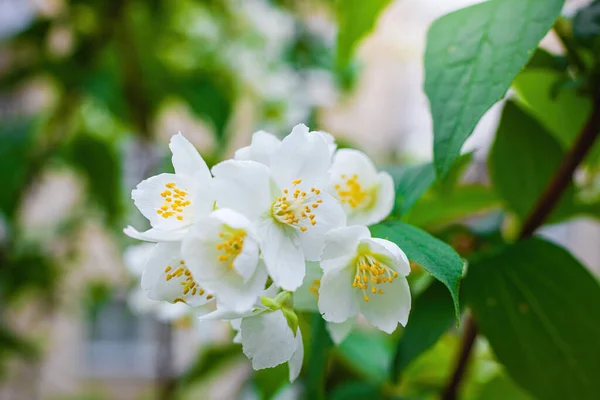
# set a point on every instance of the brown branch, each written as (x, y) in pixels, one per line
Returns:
(543, 207)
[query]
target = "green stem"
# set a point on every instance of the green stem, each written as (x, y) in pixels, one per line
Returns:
(319, 357)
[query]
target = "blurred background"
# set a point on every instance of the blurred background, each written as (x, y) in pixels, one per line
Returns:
(90, 93)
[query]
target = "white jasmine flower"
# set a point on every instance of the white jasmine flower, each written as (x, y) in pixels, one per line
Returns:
(266, 338)
(221, 251)
(264, 144)
(367, 196)
(167, 277)
(170, 201)
(364, 275)
(286, 201)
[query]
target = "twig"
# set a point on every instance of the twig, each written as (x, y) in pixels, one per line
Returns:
(543, 207)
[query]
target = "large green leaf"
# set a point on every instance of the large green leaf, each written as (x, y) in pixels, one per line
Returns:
(502, 388)
(464, 201)
(472, 57)
(431, 315)
(439, 259)
(523, 160)
(560, 109)
(410, 182)
(538, 308)
(355, 19)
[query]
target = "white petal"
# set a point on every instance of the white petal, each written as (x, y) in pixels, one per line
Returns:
(343, 242)
(339, 331)
(301, 156)
(225, 314)
(243, 154)
(236, 325)
(186, 159)
(330, 140)
(154, 278)
(386, 310)
(337, 300)
(167, 312)
(350, 162)
(235, 294)
(329, 215)
(295, 363)
(384, 202)
(263, 146)
(155, 235)
(401, 264)
(267, 339)
(388, 253)
(305, 298)
(148, 198)
(243, 186)
(282, 254)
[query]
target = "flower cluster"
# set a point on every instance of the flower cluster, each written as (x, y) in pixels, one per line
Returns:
(278, 229)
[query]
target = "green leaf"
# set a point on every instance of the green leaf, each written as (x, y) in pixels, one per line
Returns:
(434, 210)
(356, 391)
(413, 181)
(319, 356)
(538, 308)
(431, 315)
(523, 159)
(16, 137)
(502, 388)
(561, 110)
(369, 353)
(410, 182)
(472, 57)
(356, 18)
(439, 259)
(99, 163)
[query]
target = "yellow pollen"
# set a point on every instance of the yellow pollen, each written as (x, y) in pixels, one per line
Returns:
(296, 209)
(188, 286)
(231, 246)
(370, 274)
(352, 193)
(175, 200)
(210, 296)
(315, 286)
